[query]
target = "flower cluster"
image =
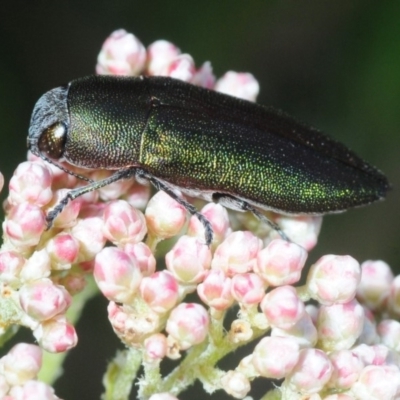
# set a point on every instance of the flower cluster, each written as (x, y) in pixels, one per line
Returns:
(335, 337)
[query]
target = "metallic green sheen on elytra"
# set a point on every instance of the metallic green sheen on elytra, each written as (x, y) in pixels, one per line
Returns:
(204, 142)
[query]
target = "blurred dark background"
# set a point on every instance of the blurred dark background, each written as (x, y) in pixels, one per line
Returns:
(333, 64)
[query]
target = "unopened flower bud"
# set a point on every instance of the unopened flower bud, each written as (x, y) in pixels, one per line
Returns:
(159, 55)
(281, 263)
(155, 347)
(123, 223)
(346, 369)
(160, 291)
(42, 300)
(215, 290)
(24, 225)
(21, 363)
(333, 279)
(217, 216)
(238, 84)
(122, 54)
(189, 260)
(56, 335)
(142, 257)
(188, 324)
(282, 307)
(11, 264)
(340, 325)
(374, 288)
(275, 357)
(236, 384)
(237, 254)
(303, 230)
(247, 289)
(164, 216)
(31, 183)
(204, 76)
(116, 275)
(311, 373)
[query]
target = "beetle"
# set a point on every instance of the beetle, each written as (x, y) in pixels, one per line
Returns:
(246, 156)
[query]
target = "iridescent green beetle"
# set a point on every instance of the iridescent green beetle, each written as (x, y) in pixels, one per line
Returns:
(206, 144)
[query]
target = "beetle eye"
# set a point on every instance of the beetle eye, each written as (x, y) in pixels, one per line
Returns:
(52, 140)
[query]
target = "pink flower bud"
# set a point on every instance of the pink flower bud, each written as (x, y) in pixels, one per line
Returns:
(394, 297)
(204, 76)
(32, 390)
(340, 325)
(11, 264)
(70, 212)
(389, 332)
(164, 216)
(137, 195)
(341, 396)
(116, 275)
(123, 224)
(160, 291)
(21, 364)
(89, 233)
(281, 263)
(311, 373)
(25, 224)
(237, 254)
(218, 217)
(56, 335)
(142, 256)
(36, 267)
(155, 347)
(182, 67)
(303, 230)
(282, 307)
(236, 384)
(247, 289)
(42, 300)
(238, 84)
(160, 54)
(188, 324)
(122, 54)
(377, 382)
(188, 260)
(215, 290)
(63, 250)
(162, 396)
(31, 183)
(333, 279)
(374, 288)
(304, 332)
(346, 369)
(275, 357)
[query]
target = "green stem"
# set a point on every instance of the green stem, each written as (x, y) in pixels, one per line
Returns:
(120, 374)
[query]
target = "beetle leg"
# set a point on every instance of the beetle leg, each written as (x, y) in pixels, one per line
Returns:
(242, 205)
(74, 193)
(161, 185)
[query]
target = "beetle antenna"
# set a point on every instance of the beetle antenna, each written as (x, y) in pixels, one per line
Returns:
(49, 160)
